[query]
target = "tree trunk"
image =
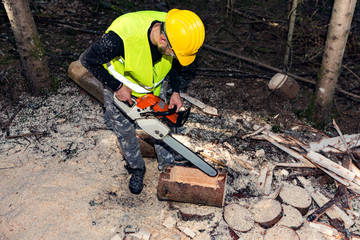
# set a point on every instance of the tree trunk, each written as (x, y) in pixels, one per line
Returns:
(338, 32)
(29, 46)
(290, 32)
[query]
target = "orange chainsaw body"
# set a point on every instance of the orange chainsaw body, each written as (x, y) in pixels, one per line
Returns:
(157, 104)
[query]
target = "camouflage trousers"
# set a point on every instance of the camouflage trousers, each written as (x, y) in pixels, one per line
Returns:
(125, 131)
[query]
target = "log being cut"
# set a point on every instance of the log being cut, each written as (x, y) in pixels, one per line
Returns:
(191, 185)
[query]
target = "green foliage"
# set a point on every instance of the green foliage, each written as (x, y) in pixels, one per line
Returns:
(276, 128)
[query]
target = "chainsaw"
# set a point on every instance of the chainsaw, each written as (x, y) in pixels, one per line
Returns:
(151, 114)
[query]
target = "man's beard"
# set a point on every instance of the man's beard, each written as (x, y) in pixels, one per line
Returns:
(162, 51)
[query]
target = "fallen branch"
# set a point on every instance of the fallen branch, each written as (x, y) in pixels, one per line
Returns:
(291, 152)
(321, 210)
(330, 165)
(344, 142)
(254, 133)
(257, 63)
(28, 135)
(335, 144)
(205, 108)
(332, 213)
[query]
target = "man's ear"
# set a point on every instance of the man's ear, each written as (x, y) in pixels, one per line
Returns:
(162, 39)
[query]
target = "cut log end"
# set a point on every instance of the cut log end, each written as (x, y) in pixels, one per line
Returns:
(284, 86)
(267, 212)
(238, 217)
(291, 218)
(281, 233)
(297, 197)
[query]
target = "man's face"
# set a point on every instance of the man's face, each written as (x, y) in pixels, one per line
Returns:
(166, 48)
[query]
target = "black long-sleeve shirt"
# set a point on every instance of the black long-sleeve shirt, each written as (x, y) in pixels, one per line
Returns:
(109, 46)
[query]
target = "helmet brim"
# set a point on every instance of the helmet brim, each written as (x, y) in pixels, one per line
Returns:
(185, 60)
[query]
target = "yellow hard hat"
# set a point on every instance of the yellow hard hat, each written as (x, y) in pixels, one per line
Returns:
(186, 33)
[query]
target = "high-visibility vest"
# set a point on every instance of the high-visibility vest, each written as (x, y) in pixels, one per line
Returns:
(136, 69)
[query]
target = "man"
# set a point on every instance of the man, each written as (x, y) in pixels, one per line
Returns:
(137, 52)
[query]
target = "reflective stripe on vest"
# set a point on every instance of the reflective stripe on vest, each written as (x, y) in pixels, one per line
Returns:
(133, 86)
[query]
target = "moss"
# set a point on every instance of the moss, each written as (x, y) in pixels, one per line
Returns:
(37, 51)
(55, 82)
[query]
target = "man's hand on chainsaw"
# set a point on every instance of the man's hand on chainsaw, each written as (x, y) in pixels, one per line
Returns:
(124, 94)
(175, 100)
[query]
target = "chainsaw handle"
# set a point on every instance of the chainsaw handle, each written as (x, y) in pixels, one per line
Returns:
(165, 113)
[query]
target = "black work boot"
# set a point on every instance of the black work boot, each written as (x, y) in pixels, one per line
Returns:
(136, 181)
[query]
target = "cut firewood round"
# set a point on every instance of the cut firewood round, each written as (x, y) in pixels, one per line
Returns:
(291, 218)
(297, 197)
(281, 233)
(267, 212)
(238, 217)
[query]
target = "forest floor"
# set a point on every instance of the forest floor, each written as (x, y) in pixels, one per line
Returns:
(62, 173)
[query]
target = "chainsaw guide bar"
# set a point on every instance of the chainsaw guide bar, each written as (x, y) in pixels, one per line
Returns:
(147, 112)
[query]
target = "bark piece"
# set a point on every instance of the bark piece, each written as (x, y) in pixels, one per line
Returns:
(284, 86)
(267, 212)
(291, 218)
(281, 233)
(184, 184)
(238, 217)
(297, 197)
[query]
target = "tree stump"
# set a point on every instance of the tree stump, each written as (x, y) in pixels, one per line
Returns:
(284, 86)
(281, 233)
(191, 185)
(267, 212)
(238, 217)
(297, 197)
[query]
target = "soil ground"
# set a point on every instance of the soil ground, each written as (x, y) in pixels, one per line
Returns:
(61, 169)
